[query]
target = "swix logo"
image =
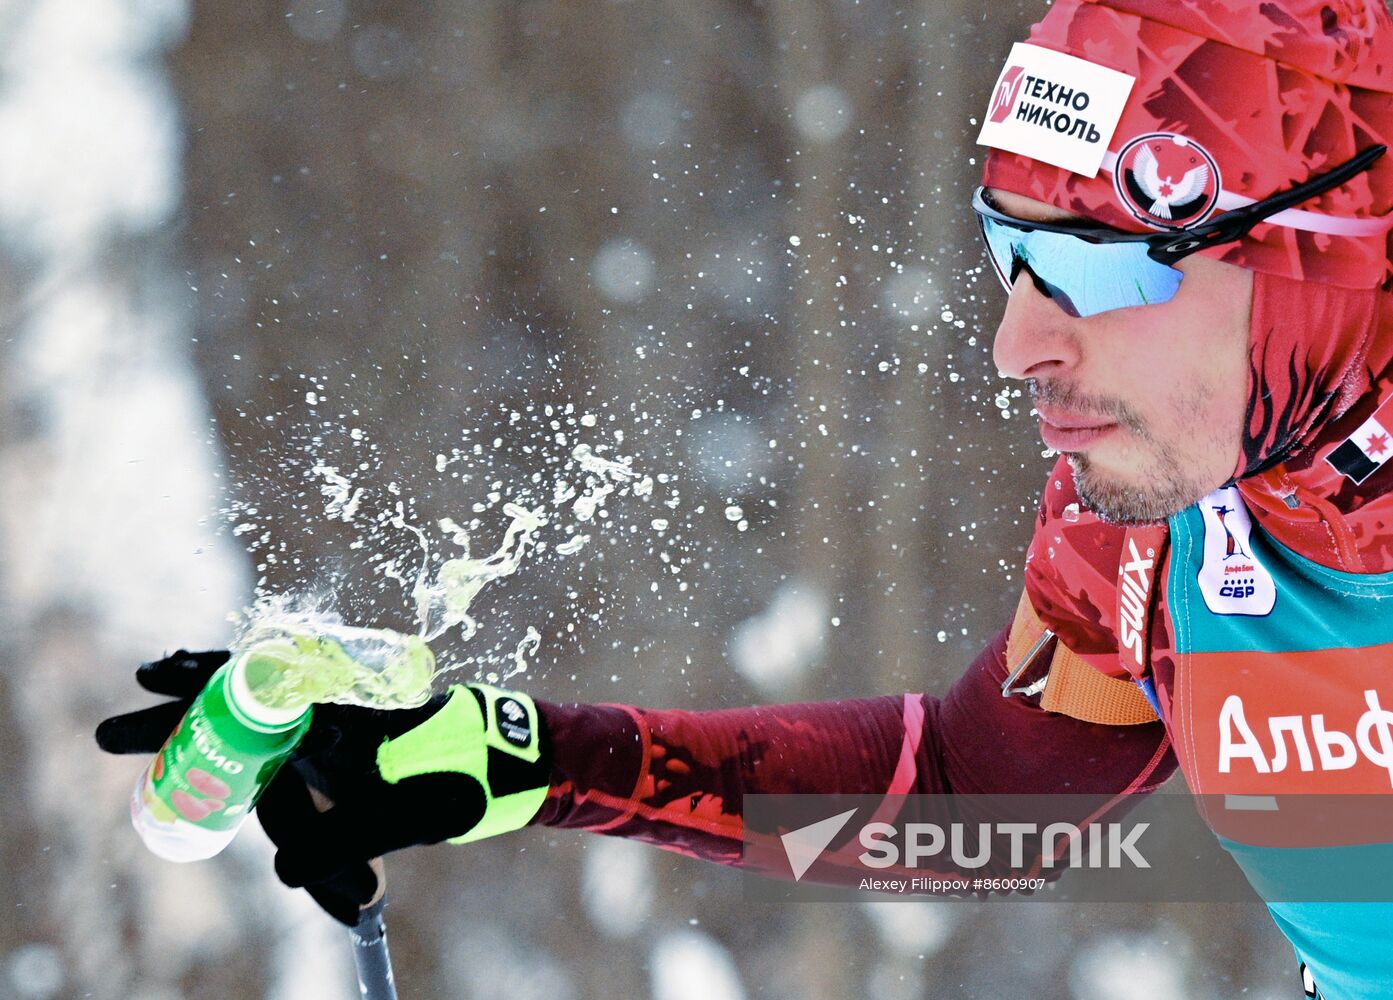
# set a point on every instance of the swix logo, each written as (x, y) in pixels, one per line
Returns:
(1134, 592)
(1007, 90)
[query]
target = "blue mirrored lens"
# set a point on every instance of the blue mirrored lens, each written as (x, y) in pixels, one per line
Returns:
(1090, 277)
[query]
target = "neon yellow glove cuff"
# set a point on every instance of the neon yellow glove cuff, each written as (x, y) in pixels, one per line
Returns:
(459, 738)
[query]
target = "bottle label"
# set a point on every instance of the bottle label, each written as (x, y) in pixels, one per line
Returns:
(199, 778)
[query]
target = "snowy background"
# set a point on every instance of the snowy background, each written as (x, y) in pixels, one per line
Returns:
(434, 246)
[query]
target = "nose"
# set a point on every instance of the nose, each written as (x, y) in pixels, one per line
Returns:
(1035, 338)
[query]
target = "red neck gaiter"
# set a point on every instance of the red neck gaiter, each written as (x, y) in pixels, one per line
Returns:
(1322, 365)
(1313, 346)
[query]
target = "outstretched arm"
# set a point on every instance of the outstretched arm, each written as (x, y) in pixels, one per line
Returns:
(677, 779)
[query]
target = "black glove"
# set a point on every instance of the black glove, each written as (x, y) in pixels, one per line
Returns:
(394, 778)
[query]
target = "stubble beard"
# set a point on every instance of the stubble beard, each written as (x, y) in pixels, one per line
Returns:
(1118, 502)
(1162, 487)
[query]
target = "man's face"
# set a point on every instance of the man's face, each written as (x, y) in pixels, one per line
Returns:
(1148, 403)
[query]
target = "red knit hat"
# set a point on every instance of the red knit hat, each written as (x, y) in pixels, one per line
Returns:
(1233, 101)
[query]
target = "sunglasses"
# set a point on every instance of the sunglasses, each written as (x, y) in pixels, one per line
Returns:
(1089, 269)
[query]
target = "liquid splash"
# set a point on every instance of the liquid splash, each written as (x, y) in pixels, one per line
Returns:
(299, 656)
(307, 653)
(443, 603)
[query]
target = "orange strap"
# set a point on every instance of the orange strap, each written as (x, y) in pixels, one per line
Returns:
(1074, 687)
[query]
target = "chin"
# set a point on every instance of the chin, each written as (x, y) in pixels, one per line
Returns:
(1118, 500)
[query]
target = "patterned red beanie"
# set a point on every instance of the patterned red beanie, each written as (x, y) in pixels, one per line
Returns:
(1233, 101)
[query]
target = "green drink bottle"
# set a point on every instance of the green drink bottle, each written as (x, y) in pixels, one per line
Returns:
(205, 781)
(251, 715)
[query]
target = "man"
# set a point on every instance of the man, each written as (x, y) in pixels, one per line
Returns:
(1188, 206)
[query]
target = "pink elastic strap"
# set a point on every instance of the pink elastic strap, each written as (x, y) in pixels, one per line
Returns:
(908, 767)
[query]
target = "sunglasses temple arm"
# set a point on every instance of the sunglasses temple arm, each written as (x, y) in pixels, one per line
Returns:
(1251, 215)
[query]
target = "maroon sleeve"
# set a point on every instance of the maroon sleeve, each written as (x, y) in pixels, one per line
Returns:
(677, 778)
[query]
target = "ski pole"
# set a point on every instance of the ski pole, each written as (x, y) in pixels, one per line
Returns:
(368, 937)
(370, 956)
